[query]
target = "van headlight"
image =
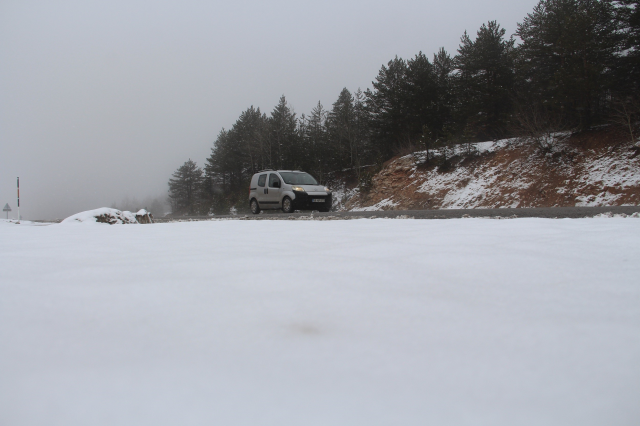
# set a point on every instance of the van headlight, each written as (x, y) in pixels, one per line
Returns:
(327, 189)
(298, 188)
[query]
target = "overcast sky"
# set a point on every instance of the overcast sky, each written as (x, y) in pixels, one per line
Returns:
(102, 100)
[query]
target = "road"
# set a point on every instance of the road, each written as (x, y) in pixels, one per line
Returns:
(546, 212)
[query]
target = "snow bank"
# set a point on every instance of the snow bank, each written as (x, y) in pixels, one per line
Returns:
(360, 322)
(103, 215)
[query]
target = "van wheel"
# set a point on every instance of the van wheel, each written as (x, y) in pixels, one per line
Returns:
(287, 205)
(255, 208)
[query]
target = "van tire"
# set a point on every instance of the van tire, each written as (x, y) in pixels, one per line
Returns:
(254, 206)
(287, 205)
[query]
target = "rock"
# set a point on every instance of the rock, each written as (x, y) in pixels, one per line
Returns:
(102, 215)
(143, 216)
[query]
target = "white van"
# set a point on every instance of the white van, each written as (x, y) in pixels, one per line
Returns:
(288, 190)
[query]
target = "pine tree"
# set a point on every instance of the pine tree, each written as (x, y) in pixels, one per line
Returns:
(316, 143)
(362, 134)
(443, 65)
(406, 97)
(422, 88)
(283, 137)
(625, 105)
(235, 156)
(627, 64)
(250, 132)
(184, 189)
(567, 48)
(485, 77)
(341, 129)
(388, 108)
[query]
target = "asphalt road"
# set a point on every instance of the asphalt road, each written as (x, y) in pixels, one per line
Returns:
(546, 212)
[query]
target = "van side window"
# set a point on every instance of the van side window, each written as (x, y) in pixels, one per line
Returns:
(262, 180)
(273, 178)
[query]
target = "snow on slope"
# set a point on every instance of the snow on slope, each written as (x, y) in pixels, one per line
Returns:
(361, 322)
(508, 173)
(385, 204)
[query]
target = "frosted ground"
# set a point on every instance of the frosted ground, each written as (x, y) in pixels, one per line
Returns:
(360, 322)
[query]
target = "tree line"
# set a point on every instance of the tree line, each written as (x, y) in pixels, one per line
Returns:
(571, 65)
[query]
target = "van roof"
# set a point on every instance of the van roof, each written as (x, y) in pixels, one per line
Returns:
(271, 170)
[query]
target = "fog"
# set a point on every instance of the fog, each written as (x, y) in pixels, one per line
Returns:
(101, 101)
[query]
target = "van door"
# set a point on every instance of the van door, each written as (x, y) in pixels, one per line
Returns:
(274, 192)
(261, 189)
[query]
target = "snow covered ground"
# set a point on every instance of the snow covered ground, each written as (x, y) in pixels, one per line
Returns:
(360, 322)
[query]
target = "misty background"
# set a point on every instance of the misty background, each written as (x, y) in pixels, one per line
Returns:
(100, 102)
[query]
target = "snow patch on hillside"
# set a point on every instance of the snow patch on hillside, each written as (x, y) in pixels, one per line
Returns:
(506, 173)
(340, 195)
(611, 171)
(382, 205)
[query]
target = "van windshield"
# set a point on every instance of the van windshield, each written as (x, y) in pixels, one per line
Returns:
(297, 178)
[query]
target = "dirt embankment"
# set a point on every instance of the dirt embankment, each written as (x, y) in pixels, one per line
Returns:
(589, 169)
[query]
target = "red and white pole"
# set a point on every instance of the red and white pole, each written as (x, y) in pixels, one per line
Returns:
(18, 199)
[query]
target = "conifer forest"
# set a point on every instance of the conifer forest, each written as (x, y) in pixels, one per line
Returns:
(570, 66)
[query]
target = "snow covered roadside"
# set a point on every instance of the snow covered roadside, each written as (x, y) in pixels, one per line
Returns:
(360, 322)
(12, 222)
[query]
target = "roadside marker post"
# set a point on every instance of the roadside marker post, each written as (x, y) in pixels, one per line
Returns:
(7, 209)
(19, 200)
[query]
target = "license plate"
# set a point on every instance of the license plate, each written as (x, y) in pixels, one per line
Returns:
(318, 200)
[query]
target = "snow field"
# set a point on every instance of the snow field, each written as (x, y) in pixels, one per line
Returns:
(359, 322)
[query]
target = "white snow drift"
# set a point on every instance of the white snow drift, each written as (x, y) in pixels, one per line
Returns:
(361, 322)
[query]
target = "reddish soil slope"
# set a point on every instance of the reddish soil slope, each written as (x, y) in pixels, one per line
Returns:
(590, 169)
